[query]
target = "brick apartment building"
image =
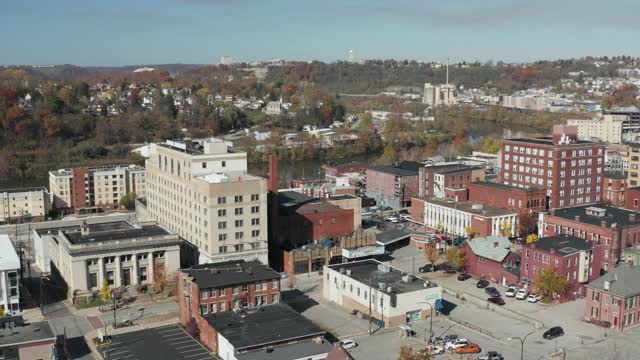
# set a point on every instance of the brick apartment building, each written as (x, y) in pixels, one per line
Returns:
(393, 185)
(569, 169)
(435, 179)
(212, 288)
(613, 188)
(632, 198)
(615, 298)
(88, 189)
(577, 259)
(515, 198)
(613, 227)
(333, 170)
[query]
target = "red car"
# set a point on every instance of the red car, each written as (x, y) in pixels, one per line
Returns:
(496, 300)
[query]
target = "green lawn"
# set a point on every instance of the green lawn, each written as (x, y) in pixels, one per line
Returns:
(255, 116)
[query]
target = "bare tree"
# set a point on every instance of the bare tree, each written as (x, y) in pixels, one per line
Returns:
(431, 253)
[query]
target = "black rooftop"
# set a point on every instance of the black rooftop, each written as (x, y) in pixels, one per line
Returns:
(612, 215)
(504, 186)
(262, 326)
(393, 170)
(26, 333)
(229, 273)
(614, 175)
(547, 141)
(563, 244)
(108, 231)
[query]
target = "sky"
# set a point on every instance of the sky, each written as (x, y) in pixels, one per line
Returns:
(140, 32)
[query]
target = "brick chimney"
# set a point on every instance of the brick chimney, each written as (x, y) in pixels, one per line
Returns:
(272, 184)
(552, 251)
(603, 223)
(577, 218)
(632, 217)
(495, 244)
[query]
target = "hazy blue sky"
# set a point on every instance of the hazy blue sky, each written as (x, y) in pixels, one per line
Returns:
(117, 32)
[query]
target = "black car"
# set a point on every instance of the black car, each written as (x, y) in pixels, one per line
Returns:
(464, 276)
(496, 300)
(427, 268)
(553, 333)
(482, 284)
(493, 292)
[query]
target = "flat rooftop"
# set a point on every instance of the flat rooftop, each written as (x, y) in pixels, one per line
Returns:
(505, 187)
(563, 244)
(262, 326)
(108, 231)
(467, 206)
(23, 190)
(294, 202)
(393, 170)
(27, 333)
(229, 273)
(366, 271)
(300, 350)
(546, 141)
(612, 215)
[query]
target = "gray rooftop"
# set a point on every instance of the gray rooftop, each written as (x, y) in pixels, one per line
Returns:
(624, 281)
(563, 244)
(393, 170)
(391, 236)
(229, 273)
(612, 215)
(369, 271)
(23, 190)
(504, 186)
(28, 333)
(300, 350)
(263, 326)
(109, 231)
(494, 247)
(467, 206)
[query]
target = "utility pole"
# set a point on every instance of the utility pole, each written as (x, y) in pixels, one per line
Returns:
(370, 306)
(113, 296)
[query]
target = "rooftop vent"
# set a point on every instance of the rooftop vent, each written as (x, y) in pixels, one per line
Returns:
(389, 289)
(349, 272)
(407, 278)
(596, 211)
(476, 207)
(382, 286)
(384, 268)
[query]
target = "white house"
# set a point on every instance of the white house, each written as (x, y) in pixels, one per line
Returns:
(9, 281)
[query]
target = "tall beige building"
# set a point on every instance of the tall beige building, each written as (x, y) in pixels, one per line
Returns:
(201, 190)
(606, 128)
(83, 189)
(633, 174)
(26, 203)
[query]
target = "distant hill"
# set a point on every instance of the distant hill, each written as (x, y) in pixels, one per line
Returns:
(70, 72)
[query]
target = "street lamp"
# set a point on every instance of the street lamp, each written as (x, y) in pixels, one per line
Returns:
(521, 343)
(430, 320)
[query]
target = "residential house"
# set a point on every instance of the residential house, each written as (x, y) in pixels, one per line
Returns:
(614, 298)
(492, 258)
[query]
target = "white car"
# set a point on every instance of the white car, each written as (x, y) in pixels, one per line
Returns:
(456, 344)
(392, 219)
(533, 298)
(435, 349)
(405, 217)
(367, 213)
(511, 291)
(522, 294)
(348, 343)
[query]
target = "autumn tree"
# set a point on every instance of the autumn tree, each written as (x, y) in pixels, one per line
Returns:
(128, 201)
(548, 282)
(454, 257)
(470, 232)
(531, 238)
(505, 228)
(491, 145)
(407, 353)
(159, 277)
(527, 223)
(104, 290)
(431, 253)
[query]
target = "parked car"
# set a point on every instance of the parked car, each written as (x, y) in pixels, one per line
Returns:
(405, 217)
(511, 291)
(445, 339)
(491, 291)
(392, 219)
(491, 355)
(496, 300)
(452, 345)
(348, 343)
(522, 294)
(367, 213)
(404, 211)
(427, 268)
(482, 284)
(434, 350)
(464, 276)
(533, 298)
(468, 349)
(553, 333)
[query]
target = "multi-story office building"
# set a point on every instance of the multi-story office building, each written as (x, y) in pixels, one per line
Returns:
(571, 170)
(88, 189)
(633, 173)
(201, 190)
(616, 158)
(436, 95)
(606, 128)
(392, 186)
(24, 204)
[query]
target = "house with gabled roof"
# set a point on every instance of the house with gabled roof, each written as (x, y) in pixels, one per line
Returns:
(492, 258)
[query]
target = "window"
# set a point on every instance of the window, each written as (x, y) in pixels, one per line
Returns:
(594, 312)
(255, 233)
(204, 294)
(93, 280)
(238, 211)
(222, 237)
(480, 259)
(255, 209)
(223, 164)
(239, 223)
(274, 284)
(245, 287)
(237, 198)
(274, 298)
(222, 200)
(110, 278)
(222, 225)
(203, 309)
(239, 235)
(222, 212)
(255, 197)
(221, 293)
(256, 221)
(204, 165)
(143, 275)
(222, 249)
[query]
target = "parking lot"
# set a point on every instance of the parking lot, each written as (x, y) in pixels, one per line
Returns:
(166, 342)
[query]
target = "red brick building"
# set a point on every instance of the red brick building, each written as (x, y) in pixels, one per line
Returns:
(514, 198)
(212, 288)
(613, 227)
(491, 258)
(613, 188)
(571, 170)
(615, 298)
(393, 185)
(577, 259)
(434, 180)
(333, 170)
(632, 198)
